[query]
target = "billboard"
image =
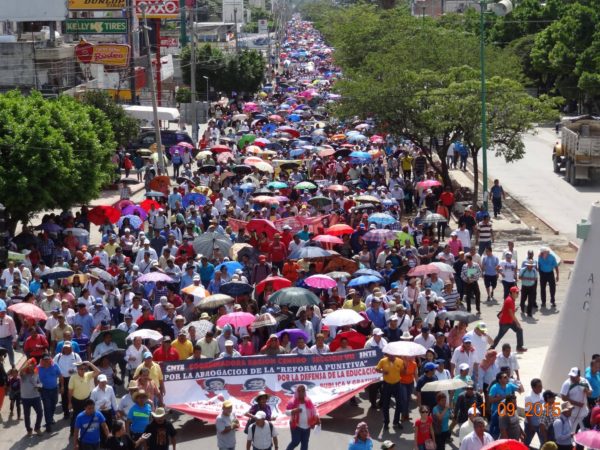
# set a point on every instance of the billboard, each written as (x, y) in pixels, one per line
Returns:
(96, 26)
(158, 9)
(34, 10)
(96, 5)
(106, 54)
(199, 387)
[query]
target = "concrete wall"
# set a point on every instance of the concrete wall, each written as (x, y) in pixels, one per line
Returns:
(18, 68)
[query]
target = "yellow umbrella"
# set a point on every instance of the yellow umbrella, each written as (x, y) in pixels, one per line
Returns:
(204, 154)
(202, 190)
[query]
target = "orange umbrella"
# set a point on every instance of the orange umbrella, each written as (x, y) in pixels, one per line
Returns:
(161, 184)
(338, 137)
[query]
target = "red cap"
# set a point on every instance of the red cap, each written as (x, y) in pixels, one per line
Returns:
(262, 258)
(514, 289)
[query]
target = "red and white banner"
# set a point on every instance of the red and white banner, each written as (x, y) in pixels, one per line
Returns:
(158, 9)
(199, 387)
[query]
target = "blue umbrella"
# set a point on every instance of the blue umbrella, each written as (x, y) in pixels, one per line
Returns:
(232, 266)
(360, 155)
(294, 118)
(275, 146)
(198, 199)
(269, 128)
(309, 252)
(364, 279)
(382, 219)
(247, 187)
(134, 221)
(151, 194)
(362, 272)
(277, 185)
(356, 138)
(389, 202)
(297, 152)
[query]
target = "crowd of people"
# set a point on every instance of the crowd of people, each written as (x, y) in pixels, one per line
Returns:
(281, 195)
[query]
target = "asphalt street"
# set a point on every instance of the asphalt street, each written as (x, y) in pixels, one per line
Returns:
(534, 184)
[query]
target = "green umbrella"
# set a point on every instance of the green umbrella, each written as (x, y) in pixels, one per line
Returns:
(119, 337)
(305, 185)
(246, 139)
(294, 296)
(319, 201)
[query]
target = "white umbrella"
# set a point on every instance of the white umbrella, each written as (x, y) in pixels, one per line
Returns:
(444, 385)
(77, 232)
(202, 327)
(404, 348)
(446, 270)
(264, 320)
(214, 301)
(146, 333)
(101, 274)
(342, 317)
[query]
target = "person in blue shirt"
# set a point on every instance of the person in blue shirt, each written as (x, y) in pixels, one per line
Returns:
(361, 439)
(138, 416)
(592, 375)
(376, 314)
(88, 426)
(187, 278)
(67, 337)
(83, 318)
(496, 196)
(490, 265)
(441, 418)
(50, 376)
(548, 267)
(498, 392)
(206, 271)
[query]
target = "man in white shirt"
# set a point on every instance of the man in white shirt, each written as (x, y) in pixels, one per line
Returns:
(464, 236)
(508, 270)
(534, 403)
(465, 354)
(8, 274)
(480, 341)
(104, 398)
(66, 362)
(134, 355)
(575, 390)
(377, 340)
(478, 438)
(425, 338)
(508, 359)
(262, 435)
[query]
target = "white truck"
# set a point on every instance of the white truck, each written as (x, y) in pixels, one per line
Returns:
(578, 152)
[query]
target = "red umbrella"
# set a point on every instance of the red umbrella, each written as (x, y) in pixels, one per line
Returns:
(148, 204)
(328, 239)
(339, 229)
(289, 130)
(356, 340)
(29, 310)
(100, 214)
(326, 152)
(220, 149)
(276, 282)
(503, 444)
(423, 270)
(262, 225)
(161, 184)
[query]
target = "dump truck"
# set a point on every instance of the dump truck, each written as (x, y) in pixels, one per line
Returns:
(578, 152)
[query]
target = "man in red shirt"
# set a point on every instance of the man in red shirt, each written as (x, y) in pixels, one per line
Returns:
(165, 352)
(35, 345)
(508, 320)
(447, 198)
(277, 252)
(287, 236)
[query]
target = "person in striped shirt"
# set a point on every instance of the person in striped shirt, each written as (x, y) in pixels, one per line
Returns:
(484, 234)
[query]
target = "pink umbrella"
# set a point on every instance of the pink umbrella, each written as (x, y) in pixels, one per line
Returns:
(376, 138)
(224, 157)
(155, 277)
(423, 270)
(185, 144)
(326, 152)
(251, 107)
(122, 204)
(320, 282)
(588, 438)
(253, 160)
(328, 239)
(133, 209)
(338, 188)
(236, 320)
(428, 184)
(265, 199)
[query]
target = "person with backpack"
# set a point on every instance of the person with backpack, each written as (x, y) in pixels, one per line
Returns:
(262, 435)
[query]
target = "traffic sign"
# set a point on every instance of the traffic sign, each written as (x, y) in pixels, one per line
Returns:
(97, 26)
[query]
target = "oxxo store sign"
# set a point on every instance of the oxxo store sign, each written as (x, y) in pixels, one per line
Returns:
(158, 9)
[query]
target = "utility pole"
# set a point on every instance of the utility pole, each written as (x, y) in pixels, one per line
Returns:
(192, 13)
(130, 18)
(235, 30)
(161, 159)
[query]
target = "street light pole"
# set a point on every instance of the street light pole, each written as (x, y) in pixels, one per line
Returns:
(482, 5)
(192, 12)
(161, 159)
(207, 96)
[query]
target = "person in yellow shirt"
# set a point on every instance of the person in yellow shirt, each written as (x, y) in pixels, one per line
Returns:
(183, 345)
(354, 301)
(392, 368)
(81, 384)
(155, 374)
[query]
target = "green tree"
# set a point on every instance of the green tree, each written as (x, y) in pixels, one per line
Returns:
(241, 72)
(55, 153)
(125, 128)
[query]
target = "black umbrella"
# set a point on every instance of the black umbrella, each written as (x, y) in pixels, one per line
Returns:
(208, 168)
(242, 169)
(343, 152)
(461, 316)
(119, 337)
(114, 356)
(57, 273)
(184, 180)
(235, 288)
(263, 191)
(158, 325)
(289, 165)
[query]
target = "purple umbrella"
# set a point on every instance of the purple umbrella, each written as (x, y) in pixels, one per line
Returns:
(135, 209)
(50, 227)
(176, 148)
(155, 277)
(294, 334)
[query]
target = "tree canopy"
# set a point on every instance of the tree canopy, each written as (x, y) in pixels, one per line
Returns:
(55, 153)
(420, 79)
(241, 72)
